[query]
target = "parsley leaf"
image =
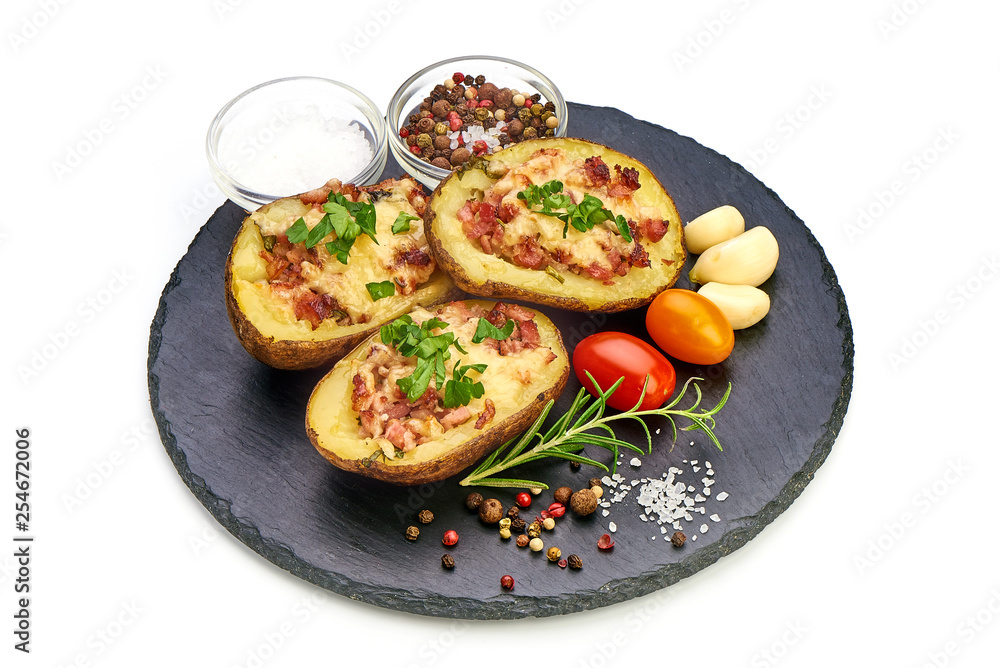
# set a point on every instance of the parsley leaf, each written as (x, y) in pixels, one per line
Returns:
(380, 290)
(583, 216)
(342, 217)
(459, 391)
(402, 222)
(487, 330)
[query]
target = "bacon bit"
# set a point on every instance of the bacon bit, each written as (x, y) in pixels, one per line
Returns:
(529, 255)
(597, 271)
(507, 212)
(597, 171)
(484, 242)
(529, 334)
(400, 436)
(314, 308)
(454, 416)
(360, 392)
(627, 177)
(416, 257)
(489, 411)
(639, 257)
(371, 423)
(321, 194)
(487, 213)
(415, 197)
(654, 230)
(275, 265)
(519, 313)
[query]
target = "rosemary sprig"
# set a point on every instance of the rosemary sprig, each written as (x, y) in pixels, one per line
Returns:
(572, 432)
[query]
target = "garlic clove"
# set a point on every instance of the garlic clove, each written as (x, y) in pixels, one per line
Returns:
(713, 227)
(743, 305)
(748, 259)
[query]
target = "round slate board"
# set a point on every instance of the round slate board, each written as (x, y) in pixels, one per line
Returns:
(234, 429)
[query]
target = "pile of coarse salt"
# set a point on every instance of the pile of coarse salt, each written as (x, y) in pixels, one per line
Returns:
(297, 153)
(668, 501)
(476, 133)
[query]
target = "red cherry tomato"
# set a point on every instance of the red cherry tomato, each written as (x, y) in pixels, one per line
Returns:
(689, 327)
(608, 356)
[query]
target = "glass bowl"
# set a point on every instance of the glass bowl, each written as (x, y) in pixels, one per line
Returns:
(288, 136)
(502, 72)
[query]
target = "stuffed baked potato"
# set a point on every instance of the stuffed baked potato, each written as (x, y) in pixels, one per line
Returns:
(373, 415)
(297, 307)
(609, 239)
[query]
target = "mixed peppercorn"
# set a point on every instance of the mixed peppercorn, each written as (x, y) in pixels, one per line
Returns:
(510, 524)
(466, 108)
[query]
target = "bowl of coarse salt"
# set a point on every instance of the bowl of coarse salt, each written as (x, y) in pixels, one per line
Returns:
(289, 136)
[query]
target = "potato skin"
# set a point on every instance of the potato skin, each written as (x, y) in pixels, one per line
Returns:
(333, 438)
(303, 350)
(489, 276)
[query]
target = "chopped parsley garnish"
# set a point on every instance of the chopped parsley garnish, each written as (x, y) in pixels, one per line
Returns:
(346, 219)
(380, 290)
(402, 222)
(432, 350)
(487, 330)
(459, 391)
(584, 216)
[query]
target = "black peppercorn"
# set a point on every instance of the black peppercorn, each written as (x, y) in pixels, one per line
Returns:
(412, 533)
(563, 494)
(448, 561)
(518, 524)
(574, 561)
(678, 539)
(473, 500)
(513, 512)
(490, 511)
(425, 517)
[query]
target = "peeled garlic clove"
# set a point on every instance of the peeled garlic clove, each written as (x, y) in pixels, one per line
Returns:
(743, 305)
(748, 259)
(713, 227)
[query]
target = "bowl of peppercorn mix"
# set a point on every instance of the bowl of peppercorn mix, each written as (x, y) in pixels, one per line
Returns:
(462, 107)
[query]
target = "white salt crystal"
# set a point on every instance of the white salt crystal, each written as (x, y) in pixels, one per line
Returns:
(704, 528)
(605, 513)
(722, 496)
(714, 518)
(612, 527)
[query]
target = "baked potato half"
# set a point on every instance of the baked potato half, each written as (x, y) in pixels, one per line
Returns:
(294, 307)
(366, 416)
(611, 239)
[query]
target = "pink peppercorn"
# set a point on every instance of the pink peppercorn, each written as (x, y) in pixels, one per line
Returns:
(450, 537)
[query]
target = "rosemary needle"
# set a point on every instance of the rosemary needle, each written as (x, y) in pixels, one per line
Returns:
(572, 432)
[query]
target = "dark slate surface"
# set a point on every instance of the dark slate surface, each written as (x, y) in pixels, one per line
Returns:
(234, 428)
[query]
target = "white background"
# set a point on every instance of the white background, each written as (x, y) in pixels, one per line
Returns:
(886, 106)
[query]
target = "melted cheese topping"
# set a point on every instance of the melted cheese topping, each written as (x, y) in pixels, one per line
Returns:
(584, 247)
(506, 378)
(368, 262)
